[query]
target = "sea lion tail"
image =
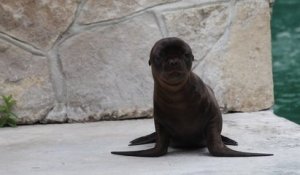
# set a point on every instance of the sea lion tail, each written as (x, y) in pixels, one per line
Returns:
(227, 152)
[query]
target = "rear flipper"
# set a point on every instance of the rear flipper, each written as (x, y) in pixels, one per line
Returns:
(229, 141)
(151, 138)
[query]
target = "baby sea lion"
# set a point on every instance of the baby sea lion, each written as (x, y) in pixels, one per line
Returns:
(186, 112)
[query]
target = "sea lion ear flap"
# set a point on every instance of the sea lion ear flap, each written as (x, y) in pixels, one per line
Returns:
(151, 55)
(192, 56)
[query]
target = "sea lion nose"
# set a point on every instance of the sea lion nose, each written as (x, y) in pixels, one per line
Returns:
(173, 62)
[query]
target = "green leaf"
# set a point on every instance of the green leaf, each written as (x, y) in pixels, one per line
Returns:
(12, 122)
(7, 117)
(12, 118)
(6, 98)
(13, 115)
(2, 108)
(2, 121)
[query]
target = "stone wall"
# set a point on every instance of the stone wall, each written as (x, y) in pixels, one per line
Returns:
(86, 60)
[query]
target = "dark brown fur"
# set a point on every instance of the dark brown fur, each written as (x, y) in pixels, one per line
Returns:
(186, 113)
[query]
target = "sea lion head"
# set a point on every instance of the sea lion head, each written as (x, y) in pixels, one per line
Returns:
(171, 60)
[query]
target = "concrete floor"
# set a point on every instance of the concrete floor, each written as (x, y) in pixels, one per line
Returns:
(84, 149)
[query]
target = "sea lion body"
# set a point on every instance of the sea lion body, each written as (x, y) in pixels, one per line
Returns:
(186, 112)
(180, 112)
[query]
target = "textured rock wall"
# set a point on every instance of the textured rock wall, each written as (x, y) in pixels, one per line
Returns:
(86, 60)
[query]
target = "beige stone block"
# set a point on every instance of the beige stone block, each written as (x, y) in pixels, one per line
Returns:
(37, 22)
(107, 71)
(95, 10)
(201, 27)
(26, 77)
(248, 61)
(232, 48)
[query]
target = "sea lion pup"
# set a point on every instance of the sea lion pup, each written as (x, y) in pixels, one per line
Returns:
(186, 113)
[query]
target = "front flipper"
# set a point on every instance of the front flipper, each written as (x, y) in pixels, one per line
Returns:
(152, 152)
(161, 146)
(227, 152)
(217, 148)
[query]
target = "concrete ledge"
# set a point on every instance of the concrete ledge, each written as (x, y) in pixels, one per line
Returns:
(85, 149)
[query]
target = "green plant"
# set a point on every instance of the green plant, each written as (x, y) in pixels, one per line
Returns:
(7, 117)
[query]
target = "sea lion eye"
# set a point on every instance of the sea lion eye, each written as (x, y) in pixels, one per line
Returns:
(158, 59)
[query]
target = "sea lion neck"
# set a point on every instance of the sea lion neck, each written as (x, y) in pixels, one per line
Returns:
(173, 88)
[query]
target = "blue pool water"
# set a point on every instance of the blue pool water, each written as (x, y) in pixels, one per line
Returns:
(286, 58)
